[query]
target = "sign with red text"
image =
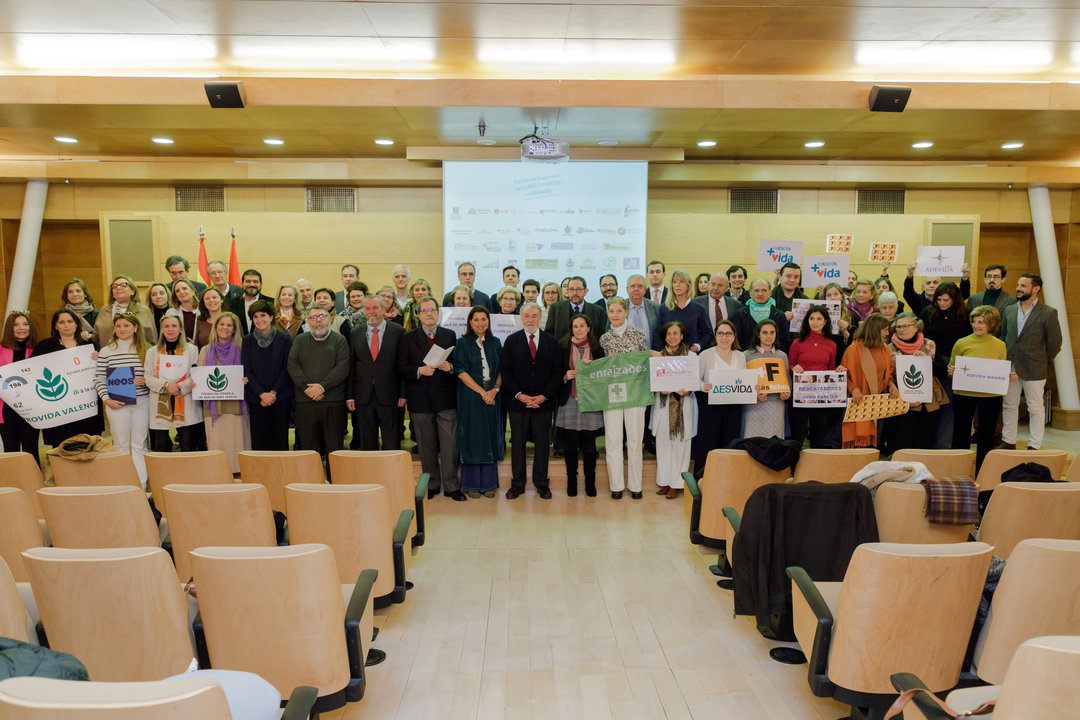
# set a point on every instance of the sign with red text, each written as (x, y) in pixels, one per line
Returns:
(821, 270)
(670, 373)
(772, 254)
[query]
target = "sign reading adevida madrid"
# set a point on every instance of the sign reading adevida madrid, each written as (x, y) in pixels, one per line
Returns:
(615, 382)
(53, 389)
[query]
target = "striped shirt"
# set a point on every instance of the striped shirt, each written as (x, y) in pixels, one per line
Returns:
(115, 356)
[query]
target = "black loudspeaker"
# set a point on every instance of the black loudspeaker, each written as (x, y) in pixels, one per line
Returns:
(889, 98)
(225, 94)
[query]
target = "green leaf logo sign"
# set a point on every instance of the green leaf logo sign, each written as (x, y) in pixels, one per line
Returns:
(51, 387)
(913, 379)
(217, 381)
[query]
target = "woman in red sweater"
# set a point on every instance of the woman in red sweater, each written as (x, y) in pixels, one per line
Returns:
(815, 350)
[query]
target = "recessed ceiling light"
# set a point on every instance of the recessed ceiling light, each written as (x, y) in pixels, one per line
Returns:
(706, 143)
(1012, 146)
(163, 140)
(922, 145)
(273, 141)
(65, 139)
(607, 143)
(814, 144)
(383, 141)
(485, 141)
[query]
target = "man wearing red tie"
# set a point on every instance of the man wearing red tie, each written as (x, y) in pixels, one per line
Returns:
(718, 304)
(655, 272)
(374, 389)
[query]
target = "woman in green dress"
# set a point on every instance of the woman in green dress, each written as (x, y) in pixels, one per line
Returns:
(481, 442)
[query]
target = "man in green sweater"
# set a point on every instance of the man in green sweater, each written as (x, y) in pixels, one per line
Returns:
(319, 367)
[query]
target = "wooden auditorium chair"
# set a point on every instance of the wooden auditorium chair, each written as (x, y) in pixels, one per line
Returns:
(730, 477)
(18, 470)
(279, 612)
(941, 463)
(832, 466)
(15, 620)
(900, 509)
(99, 516)
(274, 469)
(392, 469)
(900, 608)
(998, 461)
(21, 530)
(108, 468)
(206, 467)
(1022, 510)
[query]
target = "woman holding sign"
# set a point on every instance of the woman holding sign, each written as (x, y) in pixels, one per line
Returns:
(674, 418)
(870, 370)
(166, 373)
(67, 333)
(228, 429)
(120, 384)
(968, 404)
(766, 418)
(621, 338)
(16, 345)
(917, 428)
(579, 348)
(718, 425)
(815, 351)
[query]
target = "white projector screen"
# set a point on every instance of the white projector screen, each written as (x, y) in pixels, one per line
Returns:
(550, 221)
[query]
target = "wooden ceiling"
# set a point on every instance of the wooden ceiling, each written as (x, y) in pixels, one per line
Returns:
(329, 77)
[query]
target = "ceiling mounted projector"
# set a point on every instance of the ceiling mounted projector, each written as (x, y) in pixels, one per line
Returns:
(544, 149)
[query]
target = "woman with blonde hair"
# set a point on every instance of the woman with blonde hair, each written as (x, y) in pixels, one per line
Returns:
(550, 294)
(391, 310)
(228, 429)
(76, 298)
(863, 301)
(677, 307)
(461, 296)
(123, 298)
(185, 298)
(506, 301)
(418, 290)
(166, 371)
(845, 329)
(287, 316)
(123, 357)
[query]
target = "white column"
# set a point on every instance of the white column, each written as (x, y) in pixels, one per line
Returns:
(22, 272)
(1042, 222)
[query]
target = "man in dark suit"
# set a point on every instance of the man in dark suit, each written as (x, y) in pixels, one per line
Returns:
(655, 272)
(745, 322)
(466, 275)
(374, 392)
(559, 314)
(1032, 340)
(718, 305)
(349, 275)
(531, 370)
(609, 288)
(218, 272)
(178, 267)
(431, 393)
(251, 282)
(994, 294)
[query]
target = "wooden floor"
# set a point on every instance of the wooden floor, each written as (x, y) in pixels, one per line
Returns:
(572, 608)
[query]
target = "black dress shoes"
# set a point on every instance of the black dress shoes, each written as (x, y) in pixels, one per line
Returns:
(635, 495)
(432, 492)
(544, 493)
(616, 495)
(512, 493)
(456, 495)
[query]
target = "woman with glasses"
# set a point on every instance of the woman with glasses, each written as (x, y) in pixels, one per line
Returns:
(122, 360)
(718, 425)
(123, 298)
(549, 295)
(969, 405)
(918, 427)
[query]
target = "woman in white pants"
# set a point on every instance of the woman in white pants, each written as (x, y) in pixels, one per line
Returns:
(674, 420)
(623, 338)
(120, 362)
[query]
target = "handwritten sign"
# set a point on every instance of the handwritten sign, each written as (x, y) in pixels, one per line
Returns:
(800, 306)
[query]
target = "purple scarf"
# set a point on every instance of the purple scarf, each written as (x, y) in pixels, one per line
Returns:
(861, 311)
(223, 353)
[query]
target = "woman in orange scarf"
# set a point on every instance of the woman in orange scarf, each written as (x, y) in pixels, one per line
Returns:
(870, 372)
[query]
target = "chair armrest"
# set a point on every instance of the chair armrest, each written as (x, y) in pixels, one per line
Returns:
(401, 534)
(692, 485)
(401, 530)
(421, 495)
(202, 652)
(353, 613)
(818, 675)
(694, 489)
(732, 516)
(301, 703)
(907, 681)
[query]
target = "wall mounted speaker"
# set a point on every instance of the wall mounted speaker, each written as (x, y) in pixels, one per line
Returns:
(225, 94)
(889, 98)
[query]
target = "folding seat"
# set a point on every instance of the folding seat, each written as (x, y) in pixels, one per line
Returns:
(107, 468)
(1038, 594)
(21, 530)
(832, 466)
(391, 468)
(207, 467)
(998, 461)
(730, 477)
(941, 463)
(216, 515)
(275, 469)
(120, 611)
(15, 620)
(356, 522)
(18, 470)
(197, 696)
(279, 612)
(1074, 470)
(1040, 683)
(900, 509)
(99, 517)
(1022, 510)
(900, 608)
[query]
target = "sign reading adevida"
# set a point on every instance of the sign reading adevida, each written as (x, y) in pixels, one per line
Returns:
(615, 382)
(53, 389)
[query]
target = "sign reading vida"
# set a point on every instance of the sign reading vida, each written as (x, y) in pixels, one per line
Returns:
(821, 270)
(615, 382)
(772, 254)
(733, 387)
(218, 382)
(53, 389)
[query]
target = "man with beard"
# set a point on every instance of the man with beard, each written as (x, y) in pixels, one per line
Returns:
(319, 367)
(1032, 338)
(994, 294)
(251, 282)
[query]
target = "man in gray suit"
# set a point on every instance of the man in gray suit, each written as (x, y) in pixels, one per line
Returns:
(718, 304)
(994, 294)
(642, 311)
(1032, 339)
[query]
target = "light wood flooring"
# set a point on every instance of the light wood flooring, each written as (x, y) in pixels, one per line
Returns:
(572, 608)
